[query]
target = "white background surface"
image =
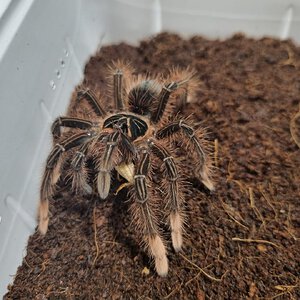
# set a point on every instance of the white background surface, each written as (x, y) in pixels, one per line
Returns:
(43, 48)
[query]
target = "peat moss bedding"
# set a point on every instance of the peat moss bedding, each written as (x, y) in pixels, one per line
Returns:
(242, 241)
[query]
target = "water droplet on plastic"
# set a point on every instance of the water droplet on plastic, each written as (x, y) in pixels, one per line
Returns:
(66, 52)
(52, 84)
(0, 219)
(58, 74)
(62, 63)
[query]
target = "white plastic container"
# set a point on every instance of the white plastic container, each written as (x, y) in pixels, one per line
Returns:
(43, 48)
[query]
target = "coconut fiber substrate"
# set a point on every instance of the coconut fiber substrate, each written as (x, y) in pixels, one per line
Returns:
(242, 240)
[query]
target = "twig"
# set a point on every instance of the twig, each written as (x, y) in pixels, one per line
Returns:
(229, 210)
(236, 221)
(289, 227)
(173, 292)
(201, 270)
(252, 205)
(251, 197)
(95, 236)
(111, 242)
(43, 266)
(293, 128)
(188, 282)
(286, 289)
(265, 196)
(216, 152)
(290, 61)
(255, 241)
(230, 177)
(28, 265)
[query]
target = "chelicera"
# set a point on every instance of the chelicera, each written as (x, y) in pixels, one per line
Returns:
(133, 138)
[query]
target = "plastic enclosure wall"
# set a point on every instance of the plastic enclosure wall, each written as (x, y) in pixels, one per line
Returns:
(43, 48)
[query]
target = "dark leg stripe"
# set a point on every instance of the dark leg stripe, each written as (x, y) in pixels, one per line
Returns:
(69, 122)
(140, 177)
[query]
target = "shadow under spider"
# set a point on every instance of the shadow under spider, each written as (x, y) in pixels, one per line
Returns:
(119, 219)
(197, 184)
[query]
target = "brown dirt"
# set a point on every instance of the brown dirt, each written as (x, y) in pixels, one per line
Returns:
(242, 241)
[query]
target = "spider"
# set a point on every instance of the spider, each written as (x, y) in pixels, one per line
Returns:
(132, 138)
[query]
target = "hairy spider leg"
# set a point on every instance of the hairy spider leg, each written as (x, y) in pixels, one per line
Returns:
(173, 193)
(69, 122)
(90, 96)
(189, 133)
(78, 173)
(163, 98)
(182, 99)
(118, 89)
(121, 77)
(189, 85)
(106, 164)
(125, 168)
(145, 216)
(52, 174)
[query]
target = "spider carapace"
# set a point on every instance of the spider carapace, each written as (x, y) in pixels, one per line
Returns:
(136, 137)
(130, 125)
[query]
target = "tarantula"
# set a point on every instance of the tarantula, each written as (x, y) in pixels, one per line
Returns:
(130, 139)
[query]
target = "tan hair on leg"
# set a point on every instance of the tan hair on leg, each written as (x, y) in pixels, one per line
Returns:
(205, 178)
(176, 230)
(106, 164)
(158, 250)
(43, 216)
(103, 183)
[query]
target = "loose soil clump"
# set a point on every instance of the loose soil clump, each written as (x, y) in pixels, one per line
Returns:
(242, 241)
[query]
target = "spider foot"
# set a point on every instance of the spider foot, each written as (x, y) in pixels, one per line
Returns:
(103, 184)
(43, 217)
(87, 189)
(158, 251)
(207, 182)
(176, 231)
(204, 175)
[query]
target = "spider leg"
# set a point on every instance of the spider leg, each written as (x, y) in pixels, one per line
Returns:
(69, 122)
(115, 143)
(78, 171)
(163, 98)
(190, 133)
(90, 96)
(121, 80)
(107, 163)
(144, 216)
(174, 194)
(52, 174)
(191, 83)
(118, 89)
